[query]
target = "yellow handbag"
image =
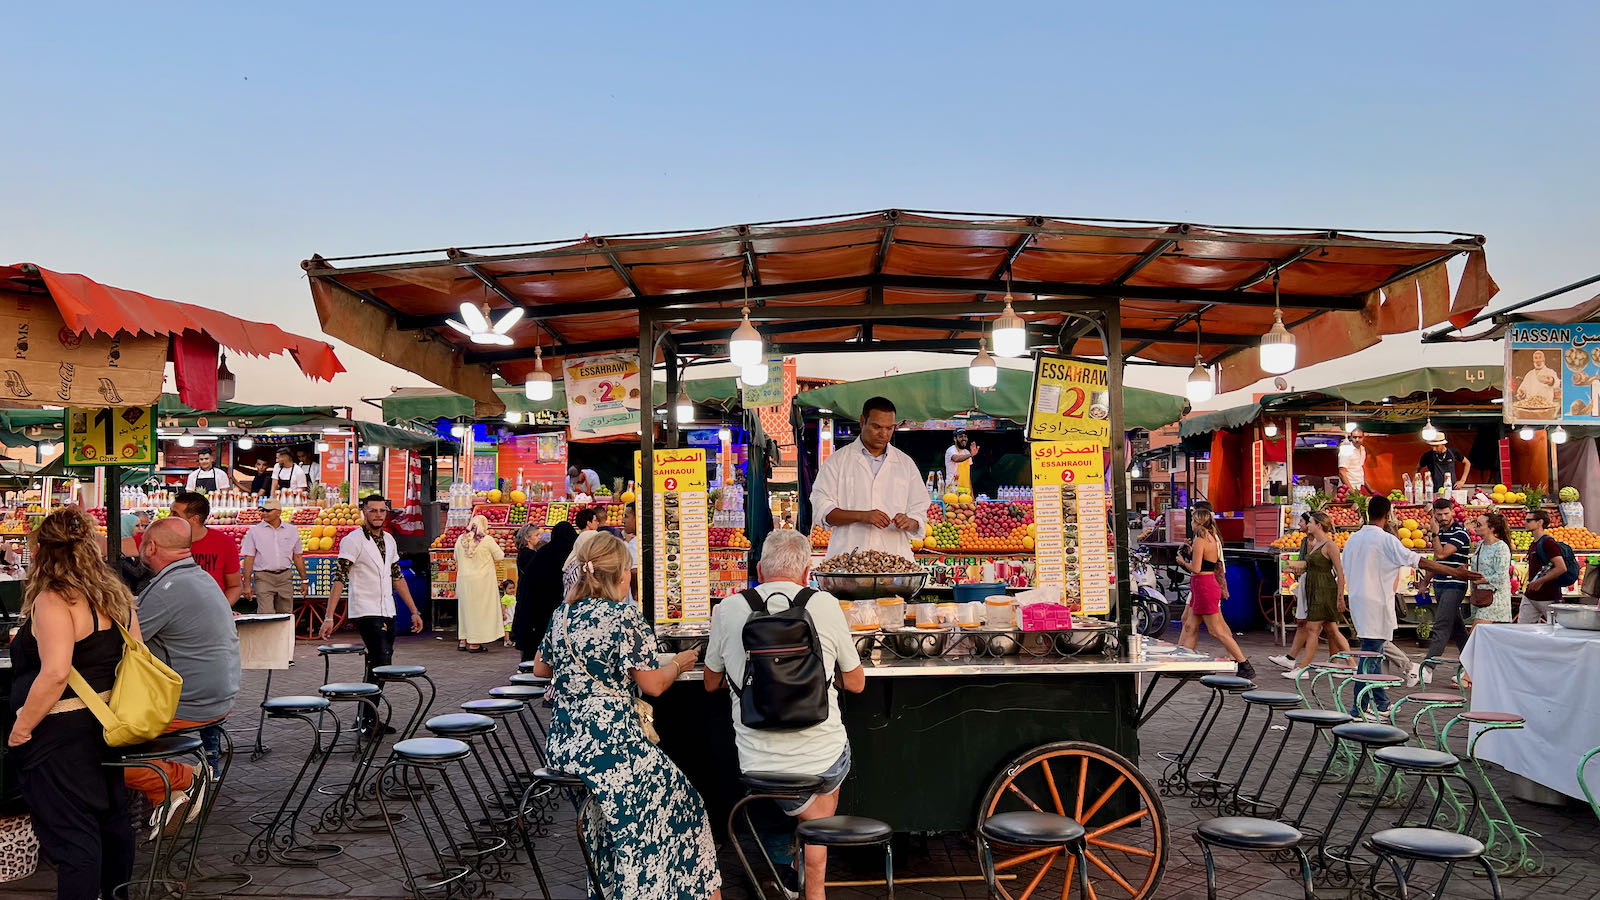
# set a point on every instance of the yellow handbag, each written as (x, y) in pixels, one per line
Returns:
(143, 700)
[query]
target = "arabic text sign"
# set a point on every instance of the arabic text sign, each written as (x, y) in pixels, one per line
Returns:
(602, 395)
(1553, 374)
(1070, 399)
(1068, 462)
(682, 537)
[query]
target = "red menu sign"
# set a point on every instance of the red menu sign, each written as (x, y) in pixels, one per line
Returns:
(1258, 471)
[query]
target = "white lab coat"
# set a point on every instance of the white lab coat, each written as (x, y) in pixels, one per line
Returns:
(845, 481)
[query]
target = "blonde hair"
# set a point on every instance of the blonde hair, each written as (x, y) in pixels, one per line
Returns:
(603, 563)
(1205, 524)
(66, 561)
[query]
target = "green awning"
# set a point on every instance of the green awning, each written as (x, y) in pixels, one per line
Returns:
(429, 404)
(242, 415)
(1219, 420)
(944, 393)
(400, 438)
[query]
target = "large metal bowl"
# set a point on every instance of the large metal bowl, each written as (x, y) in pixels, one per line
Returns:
(864, 586)
(1582, 616)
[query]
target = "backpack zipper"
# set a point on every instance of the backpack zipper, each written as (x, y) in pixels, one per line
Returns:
(776, 650)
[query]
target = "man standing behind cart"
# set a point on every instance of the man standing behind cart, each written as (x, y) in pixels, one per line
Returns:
(958, 456)
(270, 549)
(208, 477)
(869, 492)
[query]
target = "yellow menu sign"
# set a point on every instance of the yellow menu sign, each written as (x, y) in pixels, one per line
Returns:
(682, 536)
(1069, 515)
(1070, 400)
(111, 436)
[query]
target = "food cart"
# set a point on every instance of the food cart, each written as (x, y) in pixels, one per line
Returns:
(891, 281)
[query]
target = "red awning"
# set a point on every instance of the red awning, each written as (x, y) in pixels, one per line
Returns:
(88, 306)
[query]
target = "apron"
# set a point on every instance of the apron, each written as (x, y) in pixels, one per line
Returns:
(282, 481)
(208, 482)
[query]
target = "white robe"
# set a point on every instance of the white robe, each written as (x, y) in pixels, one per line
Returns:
(845, 481)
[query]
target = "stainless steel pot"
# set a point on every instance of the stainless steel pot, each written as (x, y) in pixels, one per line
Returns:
(1582, 616)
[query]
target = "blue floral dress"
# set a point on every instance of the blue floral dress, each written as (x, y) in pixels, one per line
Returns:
(655, 841)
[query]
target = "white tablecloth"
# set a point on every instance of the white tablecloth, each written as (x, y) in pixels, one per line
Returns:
(266, 640)
(1549, 676)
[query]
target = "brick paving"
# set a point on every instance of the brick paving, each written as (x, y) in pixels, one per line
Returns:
(369, 868)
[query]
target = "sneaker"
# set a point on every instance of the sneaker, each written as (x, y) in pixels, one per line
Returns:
(789, 880)
(1413, 675)
(1286, 662)
(197, 793)
(1427, 675)
(1293, 674)
(1246, 670)
(168, 819)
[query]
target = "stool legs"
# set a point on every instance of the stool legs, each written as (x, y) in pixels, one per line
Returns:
(278, 840)
(1211, 789)
(1509, 847)
(220, 883)
(1077, 868)
(453, 868)
(344, 812)
(1211, 871)
(733, 838)
(1175, 780)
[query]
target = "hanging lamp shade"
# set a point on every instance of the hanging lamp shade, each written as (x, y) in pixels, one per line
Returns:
(246, 442)
(685, 407)
(1525, 432)
(745, 346)
(1559, 435)
(1010, 333)
(754, 375)
(226, 383)
(539, 386)
(1277, 348)
(1199, 387)
(1430, 433)
(982, 373)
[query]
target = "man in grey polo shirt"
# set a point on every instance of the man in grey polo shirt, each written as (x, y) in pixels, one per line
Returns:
(185, 621)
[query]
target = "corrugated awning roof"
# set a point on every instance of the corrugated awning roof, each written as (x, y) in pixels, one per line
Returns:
(1173, 282)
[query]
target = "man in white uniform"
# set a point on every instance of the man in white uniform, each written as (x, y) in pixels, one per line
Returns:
(1353, 461)
(870, 493)
(208, 478)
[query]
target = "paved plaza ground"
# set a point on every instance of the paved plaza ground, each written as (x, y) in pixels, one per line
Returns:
(369, 868)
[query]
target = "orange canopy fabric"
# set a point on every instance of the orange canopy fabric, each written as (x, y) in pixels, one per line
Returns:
(89, 306)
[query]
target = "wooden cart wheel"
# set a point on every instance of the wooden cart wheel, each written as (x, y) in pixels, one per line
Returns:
(1105, 793)
(309, 613)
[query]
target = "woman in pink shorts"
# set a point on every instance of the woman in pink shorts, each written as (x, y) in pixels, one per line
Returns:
(1205, 592)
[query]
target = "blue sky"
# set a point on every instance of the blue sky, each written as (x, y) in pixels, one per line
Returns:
(200, 153)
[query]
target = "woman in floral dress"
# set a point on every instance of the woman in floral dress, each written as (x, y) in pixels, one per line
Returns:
(655, 841)
(1493, 559)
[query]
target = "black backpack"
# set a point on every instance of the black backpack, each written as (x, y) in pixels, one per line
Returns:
(1570, 576)
(785, 680)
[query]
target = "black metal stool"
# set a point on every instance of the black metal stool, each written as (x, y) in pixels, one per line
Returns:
(500, 811)
(214, 884)
(527, 666)
(582, 801)
(328, 652)
(457, 861)
(1319, 720)
(1424, 765)
(1268, 702)
(1175, 779)
(1426, 845)
(1251, 835)
(345, 810)
(529, 679)
(279, 839)
(1031, 830)
(766, 786)
(519, 771)
(853, 831)
(409, 676)
(145, 756)
(528, 696)
(1369, 736)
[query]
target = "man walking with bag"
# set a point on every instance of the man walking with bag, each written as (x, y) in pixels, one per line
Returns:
(766, 734)
(1548, 571)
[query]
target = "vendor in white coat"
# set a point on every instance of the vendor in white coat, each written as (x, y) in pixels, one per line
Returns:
(870, 493)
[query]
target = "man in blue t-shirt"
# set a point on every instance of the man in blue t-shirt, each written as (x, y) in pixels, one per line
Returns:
(1451, 545)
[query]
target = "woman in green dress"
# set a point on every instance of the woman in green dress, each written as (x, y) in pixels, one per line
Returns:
(1324, 586)
(649, 835)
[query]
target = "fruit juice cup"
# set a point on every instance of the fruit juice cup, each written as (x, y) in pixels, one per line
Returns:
(862, 615)
(891, 613)
(927, 615)
(970, 615)
(999, 612)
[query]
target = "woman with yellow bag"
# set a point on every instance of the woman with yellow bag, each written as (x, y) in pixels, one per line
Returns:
(71, 610)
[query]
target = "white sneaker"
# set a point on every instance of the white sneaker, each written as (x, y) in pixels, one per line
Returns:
(1293, 674)
(1286, 662)
(197, 792)
(1414, 675)
(1427, 675)
(171, 821)
(1376, 717)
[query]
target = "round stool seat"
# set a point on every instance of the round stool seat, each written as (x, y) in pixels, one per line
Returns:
(1338, 671)
(1231, 683)
(331, 649)
(530, 679)
(1248, 833)
(348, 690)
(519, 692)
(1437, 697)
(1492, 718)
(460, 724)
(1379, 680)
(1321, 718)
(1274, 699)
(558, 778)
(1371, 733)
(163, 747)
(780, 783)
(1027, 828)
(295, 704)
(431, 750)
(1416, 758)
(495, 708)
(845, 831)
(390, 673)
(527, 665)
(1428, 843)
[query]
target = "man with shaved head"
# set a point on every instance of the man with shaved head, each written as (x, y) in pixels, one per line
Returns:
(185, 620)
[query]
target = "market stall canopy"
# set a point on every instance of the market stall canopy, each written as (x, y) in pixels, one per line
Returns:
(809, 281)
(1500, 320)
(1447, 387)
(377, 435)
(945, 393)
(84, 309)
(432, 404)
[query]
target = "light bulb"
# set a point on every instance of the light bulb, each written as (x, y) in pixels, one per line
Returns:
(745, 346)
(685, 409)
(1270, 430)
(1526, 433)
(513, 418)
(1010, 333)
(246, 442)
(322, 446)
(1559, 436)
(724, 435)
(1136, 472)
(331, 429)
(457, 431)
(755, 375)
(47, 448)
(279, 429)
(982, 372)
(539, 386)
(1349, 427)
(186, 439)
(1430, 433)
(1277, 347)
(1200, 387)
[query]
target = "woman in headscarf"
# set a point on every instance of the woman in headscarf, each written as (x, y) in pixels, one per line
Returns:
(477, 587)
(539, 586)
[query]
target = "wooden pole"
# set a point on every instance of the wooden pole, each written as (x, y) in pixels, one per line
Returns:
(1112, 333)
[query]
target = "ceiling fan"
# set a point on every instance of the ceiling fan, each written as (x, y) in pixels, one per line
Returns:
(476, 325)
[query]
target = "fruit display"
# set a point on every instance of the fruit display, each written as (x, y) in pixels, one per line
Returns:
(1343, 516)
(729, 537)
(935, 513)
(305, 515)
(518, 514)
(819, 537)
(1503, 494)
(1576, 538)
(1412, 535)
(1516, 516)
(556, 513)
(960, 514)
(342, 514)
(248, 516)
(615, 513)
(1290, 541)
(1568, 495)
(1522, 540)
(323, 538)
(871, 562)
(494, 513)
(941, 536)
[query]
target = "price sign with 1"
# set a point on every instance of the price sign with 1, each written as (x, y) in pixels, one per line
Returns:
(123, 436)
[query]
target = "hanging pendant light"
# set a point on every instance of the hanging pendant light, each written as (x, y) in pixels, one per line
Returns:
(513, 418)
(685, 410)
(745, 347)
(1270, 430)
(186, 439)
(246, 442)
(1010, 331)
(1136, 472)
(1558, 436)
(1199, 387)
(226, 383)
(724, 434)
(1430, 433)
(754, 375)
(540, 386)
(47, 448)
(982, 373)
(1277, 345)
(1525, 432)
(457, 431)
